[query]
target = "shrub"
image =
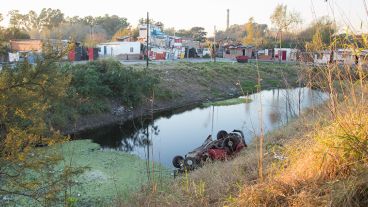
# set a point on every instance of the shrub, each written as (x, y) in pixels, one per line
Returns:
(95, 84)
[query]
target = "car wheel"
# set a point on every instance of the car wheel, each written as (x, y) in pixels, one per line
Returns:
(190, 163)
(178, 161)
(205, 158)
(231, 143)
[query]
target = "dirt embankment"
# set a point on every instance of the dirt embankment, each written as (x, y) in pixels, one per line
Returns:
(186, 84)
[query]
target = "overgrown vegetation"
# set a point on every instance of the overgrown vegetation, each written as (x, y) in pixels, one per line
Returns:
(35, 99)
(320, 159)
(224, 79)
(27, 174)
(95, 85)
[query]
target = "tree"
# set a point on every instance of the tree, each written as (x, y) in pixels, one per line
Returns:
(27, 94)
(170, 31)
(16, 18)
(284, 20)
(50, 18)
(316, 44)
(323, 29)
(111, 24)
(135, 33)
(74, 20)
(6, 35)
(1, 17)
(235, 33)
(249, 28)
(32, 22)
(198, 34)
(12, 33)
(121, 33)
(94, 39)
(91, 22)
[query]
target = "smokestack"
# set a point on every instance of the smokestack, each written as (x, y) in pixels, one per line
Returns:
(228, 19)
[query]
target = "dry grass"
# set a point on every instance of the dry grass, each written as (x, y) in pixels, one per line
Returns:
(327, 166)
(219, 183)
(319, 159)
(327, 163)
(211, 185)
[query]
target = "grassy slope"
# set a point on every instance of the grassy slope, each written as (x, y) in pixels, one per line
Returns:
(181, 84)
(325, 166)
(219, 183)
(221, 80)
(316, 160)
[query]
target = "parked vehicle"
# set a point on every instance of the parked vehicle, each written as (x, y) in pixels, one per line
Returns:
(206, 52)
(242, 59)
(225, 146)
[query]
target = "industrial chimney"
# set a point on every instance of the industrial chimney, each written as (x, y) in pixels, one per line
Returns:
(228, 19)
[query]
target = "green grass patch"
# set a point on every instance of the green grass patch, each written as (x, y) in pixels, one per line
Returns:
(110, 175)
(228, 102)
(248, 85)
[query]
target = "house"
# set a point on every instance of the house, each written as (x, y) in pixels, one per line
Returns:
(29, 45)
(154, 32)
(286, 54)
(157, 53)
(340, 56)
(322, 57)
(121, 50)
(346, 56)
(31, 49)
(232, 51)
(190, 43)
(265, 54)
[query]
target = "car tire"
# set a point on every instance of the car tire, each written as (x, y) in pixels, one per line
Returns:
(178, 161)
(231, 143)
(190, 163)
(205, 158)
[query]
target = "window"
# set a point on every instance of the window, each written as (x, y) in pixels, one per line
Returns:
(131, 49)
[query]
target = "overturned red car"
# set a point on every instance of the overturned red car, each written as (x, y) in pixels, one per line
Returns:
(226, 145)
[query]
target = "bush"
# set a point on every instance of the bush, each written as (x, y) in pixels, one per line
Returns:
(95, 84)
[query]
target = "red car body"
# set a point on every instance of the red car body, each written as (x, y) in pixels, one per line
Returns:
(219, 149)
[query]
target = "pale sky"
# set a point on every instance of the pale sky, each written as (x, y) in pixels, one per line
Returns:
(206, 13)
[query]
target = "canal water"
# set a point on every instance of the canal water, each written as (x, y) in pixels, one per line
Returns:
(179, 131)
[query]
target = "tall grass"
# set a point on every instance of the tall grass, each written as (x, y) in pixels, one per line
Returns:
(327, 166)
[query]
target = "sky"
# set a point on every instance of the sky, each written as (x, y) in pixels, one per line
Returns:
(205, 13)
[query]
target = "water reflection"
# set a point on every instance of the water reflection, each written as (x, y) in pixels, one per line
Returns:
(179, 131)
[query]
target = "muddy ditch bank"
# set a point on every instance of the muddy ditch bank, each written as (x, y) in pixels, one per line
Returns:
(121, 114)
(189, 84)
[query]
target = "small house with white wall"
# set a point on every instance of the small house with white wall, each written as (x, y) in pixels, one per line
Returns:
(233, 51)
(121, 50)
(286, 54)
(322, 57)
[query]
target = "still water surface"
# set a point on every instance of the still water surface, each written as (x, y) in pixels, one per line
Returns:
(179, 131)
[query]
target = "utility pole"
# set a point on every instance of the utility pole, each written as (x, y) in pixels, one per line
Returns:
(147, 58)
(214, 44)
